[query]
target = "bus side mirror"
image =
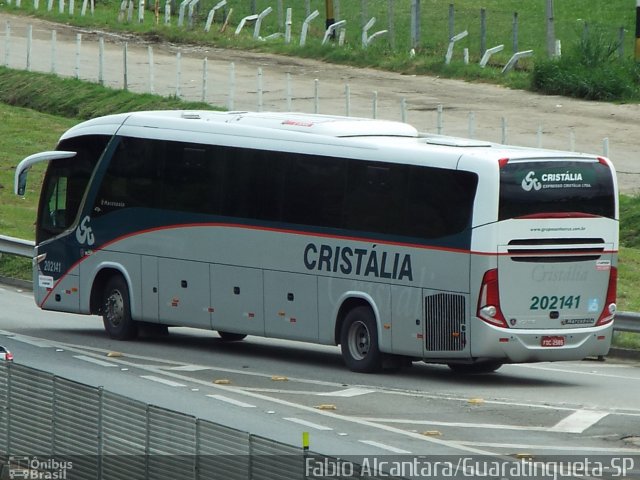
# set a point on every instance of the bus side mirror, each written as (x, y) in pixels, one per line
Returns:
(22, 182)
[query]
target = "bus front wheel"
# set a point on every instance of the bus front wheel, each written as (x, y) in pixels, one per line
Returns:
(116, 310)
(359, 341)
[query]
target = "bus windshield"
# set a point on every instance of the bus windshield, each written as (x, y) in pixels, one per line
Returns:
(65, 183)
(556, 187)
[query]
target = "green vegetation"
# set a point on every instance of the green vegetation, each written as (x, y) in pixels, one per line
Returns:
(591, 70)
(586, 30)
(78, 99)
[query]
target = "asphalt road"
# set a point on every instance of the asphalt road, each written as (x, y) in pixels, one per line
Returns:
(569, 408)
(583, 408)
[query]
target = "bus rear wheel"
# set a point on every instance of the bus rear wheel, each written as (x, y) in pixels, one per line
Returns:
(116, 310)
(359, 341)
(231, 337)
(475, 368)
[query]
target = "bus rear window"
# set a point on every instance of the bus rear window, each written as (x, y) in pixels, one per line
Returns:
(556, 187)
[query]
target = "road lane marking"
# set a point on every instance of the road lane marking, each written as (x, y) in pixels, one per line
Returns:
(384, 446)
(232, 401)
(349, 392)
(32, 341)
(95, 361)
(307, 424)
(164, 381)
(575, 372)
(456, 424)
(578, 421)
(387, 428)
(187, 368)
(569, 448)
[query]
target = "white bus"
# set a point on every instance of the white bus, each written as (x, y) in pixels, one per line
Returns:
(397, 246)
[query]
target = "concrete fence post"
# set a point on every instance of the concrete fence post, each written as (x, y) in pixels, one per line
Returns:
(101, 60)
(375, 105)
(452, 42)
(305, 27)
(78, 47)
(347, 99)
(260, 89)
(258, 25)
(7, 43)
(29, 45)
(125, 59)
(503, 128)
(178, 73)
(205, 79)
(151, 69)
(54, 41)
(232, 86)
(287, 26)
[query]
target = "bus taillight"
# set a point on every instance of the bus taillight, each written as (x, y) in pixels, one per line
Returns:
(609, 310)
(489, 300)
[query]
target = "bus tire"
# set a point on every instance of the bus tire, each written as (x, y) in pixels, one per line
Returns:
(359, 341)
(488, 366)
(231, 337)
(116, 310)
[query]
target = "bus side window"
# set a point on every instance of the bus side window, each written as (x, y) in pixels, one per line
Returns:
(253, 184)
(440, 202)
(375, 197)
(314, 191)
(191, 178)
(131, 176)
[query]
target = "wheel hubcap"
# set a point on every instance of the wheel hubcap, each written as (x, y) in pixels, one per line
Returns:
(359, 340)
(114, 308)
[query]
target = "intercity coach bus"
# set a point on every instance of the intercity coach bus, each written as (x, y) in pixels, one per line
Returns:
(396, 245)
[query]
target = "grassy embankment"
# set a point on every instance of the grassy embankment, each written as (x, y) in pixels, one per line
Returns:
(33, 119)
(590, 66)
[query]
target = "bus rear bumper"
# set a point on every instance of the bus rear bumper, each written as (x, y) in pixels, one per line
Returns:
(521, 346)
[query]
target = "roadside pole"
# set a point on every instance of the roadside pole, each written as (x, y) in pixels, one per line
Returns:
(551, 34)
(330, 17)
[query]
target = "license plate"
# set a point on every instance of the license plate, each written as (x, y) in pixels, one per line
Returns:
(552, 341)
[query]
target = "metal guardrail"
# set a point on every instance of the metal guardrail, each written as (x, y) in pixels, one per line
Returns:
(16, 246)
(625, 321)
(53, 427)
